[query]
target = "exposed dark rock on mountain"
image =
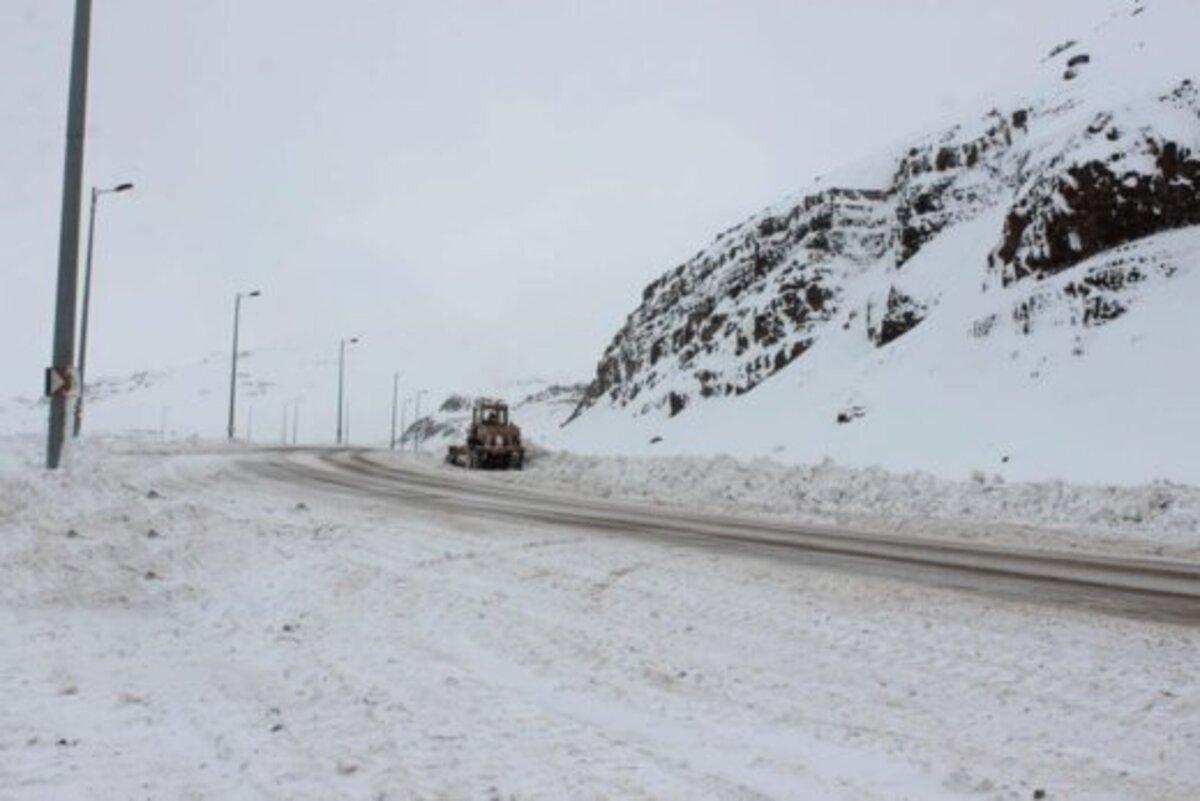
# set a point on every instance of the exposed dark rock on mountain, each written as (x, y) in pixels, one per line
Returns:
(901, 314)
(850, 414)
(753, 296)
(1074, 64)
(1061, 48)
(1069, 215)
(455, 403)
(1102, 293)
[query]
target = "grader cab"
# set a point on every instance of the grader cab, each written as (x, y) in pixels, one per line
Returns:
(493, 440)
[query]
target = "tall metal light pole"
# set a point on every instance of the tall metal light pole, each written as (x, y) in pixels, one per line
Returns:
(68, 237)
(417, 420)
(296, 421)
(237, 313)
(342, 382)
(87, 301)
(395, 399)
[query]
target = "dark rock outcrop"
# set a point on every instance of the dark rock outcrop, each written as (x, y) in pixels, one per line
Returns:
(1083, 209)
(1102, 293)
(754, 297)
(901, 314)
(455, 403)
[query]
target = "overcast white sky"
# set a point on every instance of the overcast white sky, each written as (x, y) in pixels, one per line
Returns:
(481, 189)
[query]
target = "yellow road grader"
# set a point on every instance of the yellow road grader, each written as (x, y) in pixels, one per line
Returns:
(493, 440)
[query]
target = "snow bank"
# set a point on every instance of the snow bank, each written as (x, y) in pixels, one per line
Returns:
(1158, 518)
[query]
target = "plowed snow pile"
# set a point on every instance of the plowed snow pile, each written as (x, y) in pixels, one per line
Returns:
(1160, 518)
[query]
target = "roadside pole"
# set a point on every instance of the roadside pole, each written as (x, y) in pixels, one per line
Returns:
(342, 384)
(417, 421)
(395, 397)
(233, 375)
(81, 370)
(59, 375)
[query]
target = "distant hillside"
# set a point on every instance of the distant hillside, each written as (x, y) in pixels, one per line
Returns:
(539, 414)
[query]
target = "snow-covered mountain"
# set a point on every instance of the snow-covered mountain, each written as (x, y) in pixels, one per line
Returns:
(966, 300)
(539, 414)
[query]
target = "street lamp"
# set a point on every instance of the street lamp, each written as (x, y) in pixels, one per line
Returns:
(342, 382)
(237, 311)
(87, 298)
(395, 399)
(417, 421)
(296, 421)
(58, 377)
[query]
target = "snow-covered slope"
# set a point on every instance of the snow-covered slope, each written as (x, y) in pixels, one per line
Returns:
(539, 414)
(1008, 293)
(281, 391)
(285, 393)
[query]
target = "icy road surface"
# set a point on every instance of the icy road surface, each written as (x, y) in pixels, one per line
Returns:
(176, 625)
(1160, 588)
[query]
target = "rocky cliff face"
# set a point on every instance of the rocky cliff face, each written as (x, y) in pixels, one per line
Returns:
(1136, 178)
(1083, 163)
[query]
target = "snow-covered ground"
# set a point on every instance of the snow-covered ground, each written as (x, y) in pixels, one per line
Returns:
(171, 627)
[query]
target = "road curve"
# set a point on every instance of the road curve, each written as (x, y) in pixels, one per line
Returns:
(1159, 589)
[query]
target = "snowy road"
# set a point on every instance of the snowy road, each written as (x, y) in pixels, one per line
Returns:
(175, 624)
(1158, 589)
